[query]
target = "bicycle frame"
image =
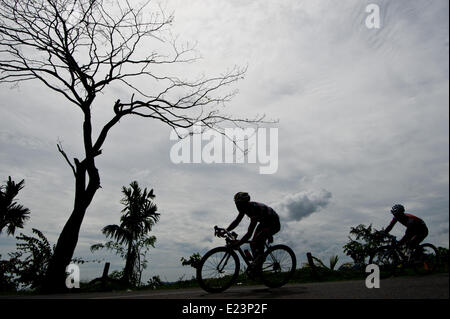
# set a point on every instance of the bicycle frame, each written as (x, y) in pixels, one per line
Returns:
(244, 257)
(219, 267)
(405, 254)
(232, 236)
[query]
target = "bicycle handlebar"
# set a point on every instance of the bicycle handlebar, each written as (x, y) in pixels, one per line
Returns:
(228, 235)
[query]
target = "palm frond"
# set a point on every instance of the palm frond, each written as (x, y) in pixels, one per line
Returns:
(333, 261)
(117, 232)
(12, 215)
(321, 264)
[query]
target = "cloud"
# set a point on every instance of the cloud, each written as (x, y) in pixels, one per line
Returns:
(295, 207)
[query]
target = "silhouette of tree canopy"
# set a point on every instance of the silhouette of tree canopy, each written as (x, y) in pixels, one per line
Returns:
(78, 48)
(32, 258)
(154, 282)
(26, 267)
(193, 260)
(365, 241)
(12, 215)
(130, 238)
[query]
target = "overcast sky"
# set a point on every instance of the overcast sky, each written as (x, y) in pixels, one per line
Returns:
(363, 124)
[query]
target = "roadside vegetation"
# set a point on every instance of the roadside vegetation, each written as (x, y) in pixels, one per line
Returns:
(23, 271)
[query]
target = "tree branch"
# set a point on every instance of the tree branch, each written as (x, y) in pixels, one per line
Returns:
(60, 149)
(79, 47)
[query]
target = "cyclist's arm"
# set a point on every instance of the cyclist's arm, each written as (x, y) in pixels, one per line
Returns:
(250, 231)
(391, 225)
(235, 222)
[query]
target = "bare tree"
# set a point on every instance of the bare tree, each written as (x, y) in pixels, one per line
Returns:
(78, 48)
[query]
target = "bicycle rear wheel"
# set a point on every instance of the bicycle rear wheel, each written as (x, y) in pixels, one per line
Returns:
(278, 267)
(218, 269)
(426, 259)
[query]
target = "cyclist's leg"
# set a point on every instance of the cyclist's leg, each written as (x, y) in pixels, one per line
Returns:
(273, 229)
(418, 237)
(262, 233)
(422, 235)
(268, 230)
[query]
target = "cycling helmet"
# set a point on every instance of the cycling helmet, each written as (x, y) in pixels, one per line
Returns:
(397, 209)
(241, 197)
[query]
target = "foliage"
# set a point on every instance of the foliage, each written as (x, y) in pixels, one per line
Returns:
(113, 246)
(142, 246)
(32, 258)
(333, 262)
(347, 266)
(116, 275)
(27, 266)
(443, 253)
(7, 277)
(154, 282)
(130, 238)
(193, 260)
(365, 241)
(12, 215)
(443, 257)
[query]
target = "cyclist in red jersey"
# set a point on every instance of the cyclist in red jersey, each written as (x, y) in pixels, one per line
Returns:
(416, 229)
(260, 215)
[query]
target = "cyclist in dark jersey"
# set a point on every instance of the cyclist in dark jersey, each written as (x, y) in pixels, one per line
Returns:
(260, 215)
(416, 229)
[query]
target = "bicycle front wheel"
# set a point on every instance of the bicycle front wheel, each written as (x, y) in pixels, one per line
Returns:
(278, 267)
(426, 259)
(218, 269)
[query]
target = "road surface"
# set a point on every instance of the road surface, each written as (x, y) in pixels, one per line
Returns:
(425, 287)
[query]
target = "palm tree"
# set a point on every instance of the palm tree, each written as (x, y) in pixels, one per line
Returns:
(12, 215)
(139, 216)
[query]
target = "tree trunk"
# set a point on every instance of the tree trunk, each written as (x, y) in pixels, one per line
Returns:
(67, 241)
(65, 247)
(129, 264)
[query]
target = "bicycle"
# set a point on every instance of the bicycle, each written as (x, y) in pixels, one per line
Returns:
(219, 268)
(394, 259)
